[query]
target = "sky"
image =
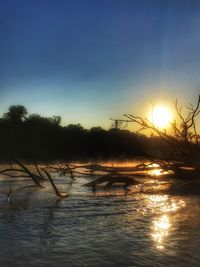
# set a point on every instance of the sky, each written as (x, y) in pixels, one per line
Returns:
(92, 60)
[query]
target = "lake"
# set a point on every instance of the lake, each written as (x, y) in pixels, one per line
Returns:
(102, 228)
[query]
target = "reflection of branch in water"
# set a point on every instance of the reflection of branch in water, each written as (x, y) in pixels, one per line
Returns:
(11, 192)
(48, 223)
(21, 203)
(8, 194)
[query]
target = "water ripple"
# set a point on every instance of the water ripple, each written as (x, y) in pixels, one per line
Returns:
(96, 230)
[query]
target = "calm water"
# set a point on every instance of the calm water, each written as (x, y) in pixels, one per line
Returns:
(105, 228)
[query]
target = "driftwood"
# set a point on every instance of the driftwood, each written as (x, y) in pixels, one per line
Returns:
(111, 180)
(62, 195)
(34, 176)
(23, 172)
(37, 177)
(167, 174)
(62, 169)
(154, 169)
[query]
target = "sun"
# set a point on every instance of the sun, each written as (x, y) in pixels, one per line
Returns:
(161, 116)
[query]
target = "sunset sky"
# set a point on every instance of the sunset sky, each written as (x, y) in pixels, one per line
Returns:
(91, 60)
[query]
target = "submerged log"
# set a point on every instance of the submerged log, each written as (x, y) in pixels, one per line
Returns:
(110, 180)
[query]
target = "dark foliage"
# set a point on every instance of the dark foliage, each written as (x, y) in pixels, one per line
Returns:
(37, 138)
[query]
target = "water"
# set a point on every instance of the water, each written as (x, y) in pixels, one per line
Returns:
(105, 228)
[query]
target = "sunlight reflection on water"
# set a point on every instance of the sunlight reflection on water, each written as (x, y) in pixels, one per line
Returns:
(160, 230)
(161, 225)
(102, 228)
(155, 172)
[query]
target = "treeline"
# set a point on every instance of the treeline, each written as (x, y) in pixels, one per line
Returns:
(33, 137)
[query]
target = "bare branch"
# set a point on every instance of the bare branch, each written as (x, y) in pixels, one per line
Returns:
(32, 175)
(62, 195)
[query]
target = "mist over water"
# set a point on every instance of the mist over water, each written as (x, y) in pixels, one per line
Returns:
(102, 228)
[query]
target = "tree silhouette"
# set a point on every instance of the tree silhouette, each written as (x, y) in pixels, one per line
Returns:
(183, 135)
(56, 120)
(34, 137)
(16, 113)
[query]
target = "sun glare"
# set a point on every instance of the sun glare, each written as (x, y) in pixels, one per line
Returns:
(161, 116)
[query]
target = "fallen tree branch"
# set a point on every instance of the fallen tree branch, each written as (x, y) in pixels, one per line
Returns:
(34, 177)
(62, 195)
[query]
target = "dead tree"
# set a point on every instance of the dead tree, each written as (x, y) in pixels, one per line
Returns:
(183, 133)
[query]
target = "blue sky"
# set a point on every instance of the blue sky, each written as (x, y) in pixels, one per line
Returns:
(90, 60)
